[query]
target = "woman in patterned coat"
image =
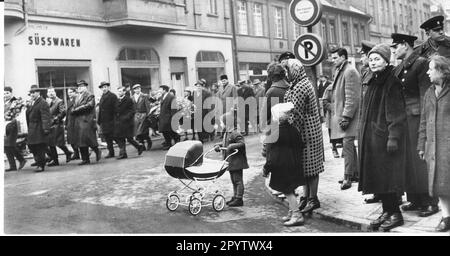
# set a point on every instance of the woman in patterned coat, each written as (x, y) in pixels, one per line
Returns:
(306, 119)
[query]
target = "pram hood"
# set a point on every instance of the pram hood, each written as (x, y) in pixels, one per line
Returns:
(184, 154)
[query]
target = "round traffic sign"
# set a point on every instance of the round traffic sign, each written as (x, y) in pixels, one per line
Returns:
(306, 12)
(309, 49)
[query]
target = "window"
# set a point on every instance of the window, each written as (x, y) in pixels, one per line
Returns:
(356, 39)
(279, 33)
(62, 75)
(297, 30)
(394, 9)
(257, 19)
(332, 36)
(323, 25)
(363, 32)
(242, 18)
(372, 10)
(140, 66)
(345, 34)
(401, 16)
(213, 6)
(210, 65)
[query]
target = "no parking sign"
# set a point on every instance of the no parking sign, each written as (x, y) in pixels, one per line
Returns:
(309, 49)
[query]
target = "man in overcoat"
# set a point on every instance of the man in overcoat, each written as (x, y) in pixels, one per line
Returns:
(142, 106)
(437, 41)
(124, 123)
(412, 72)
(70, 123)
(38, 121)
(106, 113)
(165, 117)
(56, 136)
(344, 108)
(85, 123)
(245, 92)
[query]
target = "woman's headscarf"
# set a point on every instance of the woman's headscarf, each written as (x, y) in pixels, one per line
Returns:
(295, 70)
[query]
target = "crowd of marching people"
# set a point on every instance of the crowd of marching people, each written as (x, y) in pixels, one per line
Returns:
(392, 122)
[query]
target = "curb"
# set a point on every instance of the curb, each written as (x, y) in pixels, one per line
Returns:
(353, 223)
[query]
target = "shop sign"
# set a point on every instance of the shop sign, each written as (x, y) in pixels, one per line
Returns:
(53, 41)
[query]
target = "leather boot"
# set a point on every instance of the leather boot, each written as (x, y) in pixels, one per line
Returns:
(287, 217)
(236, 202)
(313, 203)
(303, 202)
(444, 225)
(296, 219)
(395, 220)
(374, 225)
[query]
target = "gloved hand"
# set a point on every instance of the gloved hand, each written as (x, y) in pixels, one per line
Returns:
(392, 145)
(344, 123)
(217, 148)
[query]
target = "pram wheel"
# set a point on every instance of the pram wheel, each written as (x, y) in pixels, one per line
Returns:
(218, 203)
(172, 202)
(195, 206)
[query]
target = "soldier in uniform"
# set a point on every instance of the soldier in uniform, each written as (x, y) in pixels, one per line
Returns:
(437, 41)
(412, 72)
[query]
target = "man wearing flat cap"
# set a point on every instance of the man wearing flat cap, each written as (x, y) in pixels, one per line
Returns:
(106, 113)
(228, 93)
(84, 123)
(437, 41)
(38, 121)
(142, 106)
(412, 72)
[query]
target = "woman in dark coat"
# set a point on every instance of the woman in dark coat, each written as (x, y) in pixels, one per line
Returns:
(283, 161)
(383, 139)
(70, 123)
(434, 135)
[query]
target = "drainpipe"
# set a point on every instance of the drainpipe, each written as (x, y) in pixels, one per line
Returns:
(25, 17)
(195, 17)
(234, 43)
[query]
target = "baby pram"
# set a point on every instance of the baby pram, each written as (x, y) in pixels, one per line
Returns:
(187, 162)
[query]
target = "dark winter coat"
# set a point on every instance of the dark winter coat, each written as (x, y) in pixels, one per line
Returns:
(85, 124)
(38, 121)
(166, 113)
(70, 123)
(383, 117)
(142, 106)
(283, 160)
(412, 73)
(106, 112)
(276, 92)
(57, 112)
(233, 140)
(11, 132)
(124, 118)
(434, 139)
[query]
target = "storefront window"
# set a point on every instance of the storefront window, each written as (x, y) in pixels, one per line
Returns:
(210, 65)
(139, 66)
(62, 75)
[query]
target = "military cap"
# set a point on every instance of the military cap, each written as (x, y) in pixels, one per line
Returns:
(433, 23)
(366, 46)
(103, 84)
(402, 38)
(136, 86)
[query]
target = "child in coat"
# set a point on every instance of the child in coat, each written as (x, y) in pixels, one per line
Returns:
(233, 140)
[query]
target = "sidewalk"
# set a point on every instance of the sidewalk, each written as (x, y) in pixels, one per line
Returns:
(347, 207)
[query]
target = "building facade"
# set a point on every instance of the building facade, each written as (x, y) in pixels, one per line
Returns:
(395, 16)
(264, 30)
(151, 42)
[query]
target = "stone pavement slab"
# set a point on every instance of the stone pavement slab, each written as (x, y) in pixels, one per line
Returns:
(347, 207)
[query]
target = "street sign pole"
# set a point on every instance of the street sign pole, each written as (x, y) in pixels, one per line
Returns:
(313, 68)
